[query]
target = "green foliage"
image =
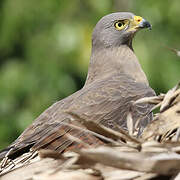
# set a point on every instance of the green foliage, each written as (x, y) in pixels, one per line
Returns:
(45, 49)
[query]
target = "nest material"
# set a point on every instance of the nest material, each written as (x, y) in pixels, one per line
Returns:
(154, 155)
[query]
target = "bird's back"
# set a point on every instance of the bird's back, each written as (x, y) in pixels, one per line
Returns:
(106, 101)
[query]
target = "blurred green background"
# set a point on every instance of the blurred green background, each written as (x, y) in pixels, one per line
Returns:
(45, 47)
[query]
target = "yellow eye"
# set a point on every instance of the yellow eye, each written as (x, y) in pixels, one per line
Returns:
(119, 25)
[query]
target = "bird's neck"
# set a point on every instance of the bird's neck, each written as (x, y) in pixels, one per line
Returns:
(106, 62)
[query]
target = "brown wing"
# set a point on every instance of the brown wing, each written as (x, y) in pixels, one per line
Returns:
(106, 102)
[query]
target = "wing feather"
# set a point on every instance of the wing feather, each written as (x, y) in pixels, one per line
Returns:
(106, 101)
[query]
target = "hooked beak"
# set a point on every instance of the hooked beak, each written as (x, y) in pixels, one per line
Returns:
(145, 24)
(138, 23)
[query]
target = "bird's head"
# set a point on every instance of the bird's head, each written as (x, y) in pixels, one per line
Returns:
(117, 29)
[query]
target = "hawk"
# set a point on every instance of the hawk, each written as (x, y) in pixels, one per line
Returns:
(115, 79)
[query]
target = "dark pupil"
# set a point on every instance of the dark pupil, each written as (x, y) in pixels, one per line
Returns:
(119, 24)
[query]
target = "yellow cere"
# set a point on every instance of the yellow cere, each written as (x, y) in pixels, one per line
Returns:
(138, 19)
(134, 23)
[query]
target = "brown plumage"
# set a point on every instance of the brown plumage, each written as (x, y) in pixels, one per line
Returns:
(114, 80)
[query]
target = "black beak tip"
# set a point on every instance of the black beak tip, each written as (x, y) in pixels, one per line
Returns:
(146, 24)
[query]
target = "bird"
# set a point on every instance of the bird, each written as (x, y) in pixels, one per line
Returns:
(115, 79)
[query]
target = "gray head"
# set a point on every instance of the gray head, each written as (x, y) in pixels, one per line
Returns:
(116, 29)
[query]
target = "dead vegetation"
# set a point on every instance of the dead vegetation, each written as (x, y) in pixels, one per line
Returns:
(154, 155)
